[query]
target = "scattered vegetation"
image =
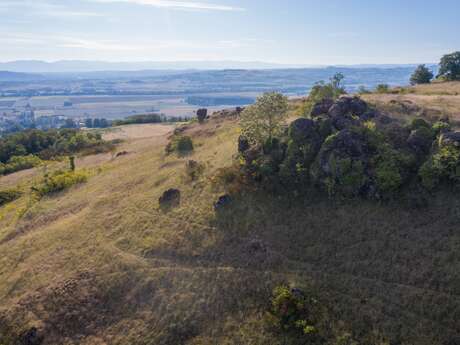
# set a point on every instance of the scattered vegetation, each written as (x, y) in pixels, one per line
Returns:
(48, 144)
(193, 170)
(300, 318)
(180, 144)
(59, 181)
(382, 88)
(17, 163)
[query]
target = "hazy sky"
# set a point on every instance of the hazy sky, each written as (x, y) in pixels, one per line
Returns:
(284, 31)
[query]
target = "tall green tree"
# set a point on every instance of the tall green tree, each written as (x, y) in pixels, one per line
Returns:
(449, 67)
(264, 120)
(421, 75)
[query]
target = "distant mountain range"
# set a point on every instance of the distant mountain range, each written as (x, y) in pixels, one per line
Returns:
(79, 66)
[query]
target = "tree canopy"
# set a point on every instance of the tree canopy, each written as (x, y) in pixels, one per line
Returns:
(449, 67)
(421, 75)
(264, 120)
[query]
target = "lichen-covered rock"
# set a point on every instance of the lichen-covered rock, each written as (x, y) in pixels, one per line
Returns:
(170, 198)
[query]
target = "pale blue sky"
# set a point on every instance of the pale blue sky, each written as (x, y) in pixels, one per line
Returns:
(320, 32)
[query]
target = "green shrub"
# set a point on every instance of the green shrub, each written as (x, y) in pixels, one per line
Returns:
(321, 91)
(382, 88)
(421, 75)
(17, 163)
(180, 144)
(442, 166)
(58, 181)
(9, 195)
(391, 168)
(193, 170)
(296, 314)
(419, 123)
(441, 127)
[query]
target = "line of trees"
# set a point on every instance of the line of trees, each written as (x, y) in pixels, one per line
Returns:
(148, 118)
(449, 70)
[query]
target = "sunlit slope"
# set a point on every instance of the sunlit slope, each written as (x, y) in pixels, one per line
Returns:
(102, 264)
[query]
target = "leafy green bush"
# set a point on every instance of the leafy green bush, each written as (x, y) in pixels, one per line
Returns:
(421, 75)
(264, 120)
(321, 91)
(382, 88)
(180, 144)
(444, 165)
(449, 67)
(440, 127)
(9, 195)
(17, 163)
(58, 181)
(419, 123)
(193, 170)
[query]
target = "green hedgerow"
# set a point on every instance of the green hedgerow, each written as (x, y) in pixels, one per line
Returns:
(58, 181)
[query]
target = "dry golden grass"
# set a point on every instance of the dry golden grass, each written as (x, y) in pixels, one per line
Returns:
(429, 105)
(101, 263)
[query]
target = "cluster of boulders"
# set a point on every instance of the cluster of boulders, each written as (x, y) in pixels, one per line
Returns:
(349, 148)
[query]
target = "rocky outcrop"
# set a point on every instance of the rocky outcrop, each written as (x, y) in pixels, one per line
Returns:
(450, 138)
(170, 198)
(223, 202)
(202, 114)
(348, 106)
(31, 337)
(322, 107)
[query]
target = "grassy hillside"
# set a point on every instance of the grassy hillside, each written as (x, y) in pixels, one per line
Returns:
(431, 101)
(101, 263)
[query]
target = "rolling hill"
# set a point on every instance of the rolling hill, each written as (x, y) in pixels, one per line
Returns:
(102, 263)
